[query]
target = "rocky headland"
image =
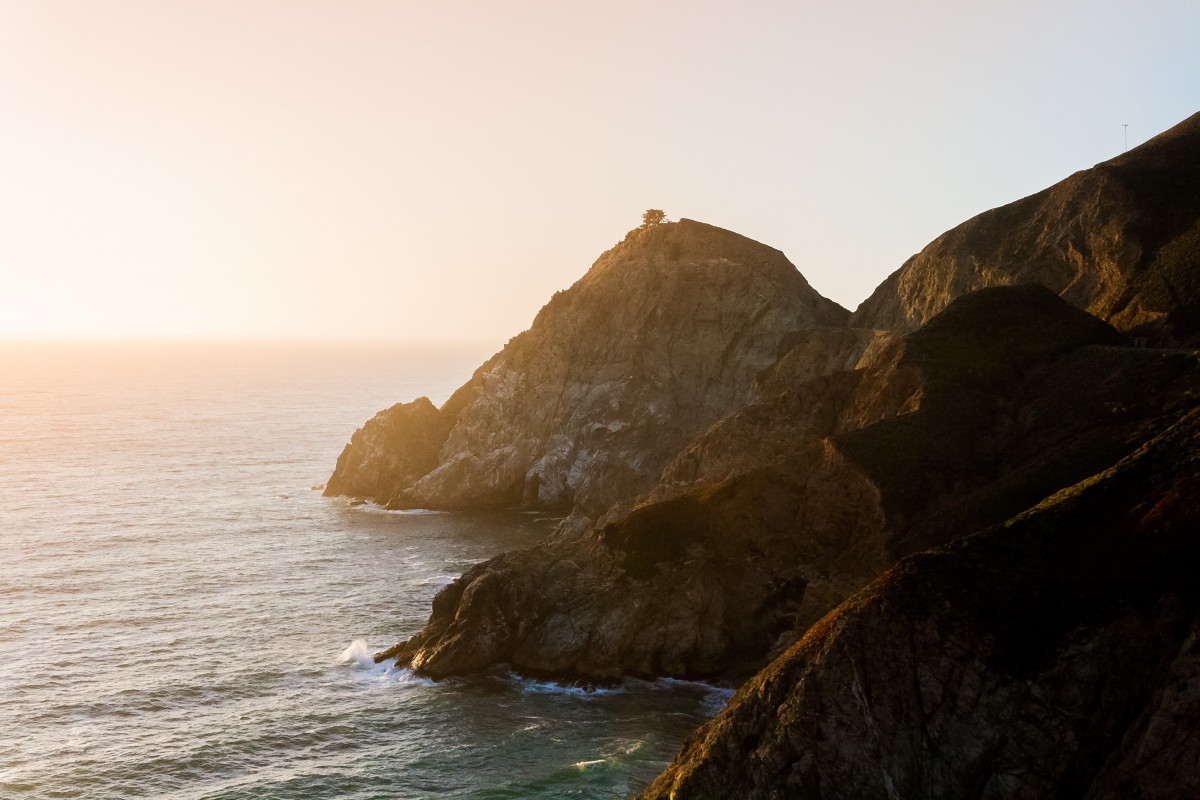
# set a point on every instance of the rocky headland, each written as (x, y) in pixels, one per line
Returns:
(949, 535)
(663, 336)
(786, 507)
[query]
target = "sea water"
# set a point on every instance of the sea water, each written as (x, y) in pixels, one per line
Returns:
(183, 616)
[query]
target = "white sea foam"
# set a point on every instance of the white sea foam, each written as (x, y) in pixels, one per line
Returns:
(407, 677)
(632, 748)
(715, 697)
(716, 701)
(615, 758)
(680, 683)
(301, 572)
(550, 687)
(358, 655)
(372, 507)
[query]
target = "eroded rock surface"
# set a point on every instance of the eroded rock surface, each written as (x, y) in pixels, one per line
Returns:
(391, 452)
(1054, 655)
(663, 336)
(1120, 240)
(1026, 481)
(784, 508)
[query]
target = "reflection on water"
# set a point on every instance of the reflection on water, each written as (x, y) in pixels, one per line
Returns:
(185, 618)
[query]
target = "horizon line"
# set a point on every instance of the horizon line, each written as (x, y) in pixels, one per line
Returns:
(182, 340)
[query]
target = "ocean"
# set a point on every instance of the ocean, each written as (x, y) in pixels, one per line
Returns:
(182, 616)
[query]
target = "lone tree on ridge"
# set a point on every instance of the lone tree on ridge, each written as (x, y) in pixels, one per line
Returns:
(652, 217)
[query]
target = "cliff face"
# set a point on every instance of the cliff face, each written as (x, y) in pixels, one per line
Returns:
(1055, 655)
(744, 462)
(392, 451)
(663, 336)
(784, 508)
(697, 586)
(1040, 486)
(1118, 240)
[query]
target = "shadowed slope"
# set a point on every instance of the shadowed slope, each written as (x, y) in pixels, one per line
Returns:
(1120, 240)
(1047, 657)
(784, 508)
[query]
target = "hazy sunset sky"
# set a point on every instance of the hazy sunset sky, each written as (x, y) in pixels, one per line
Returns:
(397, 170)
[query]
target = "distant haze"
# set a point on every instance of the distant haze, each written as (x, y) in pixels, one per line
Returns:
(403, 170)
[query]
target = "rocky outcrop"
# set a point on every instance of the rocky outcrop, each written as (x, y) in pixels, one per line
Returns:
(664, 335)
(1055, 655)
(816, 352)
(697, 586)
(742, 461)
(784, 508)
(391, 452)
(1120, 240)
(1026, 645)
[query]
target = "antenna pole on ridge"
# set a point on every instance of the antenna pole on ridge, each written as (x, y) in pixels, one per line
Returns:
(1126, 127)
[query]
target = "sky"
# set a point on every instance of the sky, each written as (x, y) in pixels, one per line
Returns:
(359, 170)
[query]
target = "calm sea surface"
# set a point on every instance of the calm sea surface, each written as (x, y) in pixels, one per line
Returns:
(181, 616)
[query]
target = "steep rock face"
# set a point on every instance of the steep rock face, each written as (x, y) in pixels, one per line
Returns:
(662, 336)
(784, 508)
(399, 446)
(697, 586)
(801, 398)
(1055, 655)
(388, 454)
(817, 352)
(1120, 240)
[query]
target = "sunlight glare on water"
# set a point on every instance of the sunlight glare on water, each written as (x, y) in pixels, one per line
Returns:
(184, 617)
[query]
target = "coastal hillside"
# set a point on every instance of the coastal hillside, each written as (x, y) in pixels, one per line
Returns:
(1054, 655)
(783, 509)
(1119, 240)
(952, 535)
(663, 336)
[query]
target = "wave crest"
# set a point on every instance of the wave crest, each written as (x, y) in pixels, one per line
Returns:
(357, 654)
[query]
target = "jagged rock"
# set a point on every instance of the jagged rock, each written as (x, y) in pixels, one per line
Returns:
(697, 586)
(395, 448)
(784, 508)
(1120, 240)
(817, 352)
(1055, 655)
(663, 336)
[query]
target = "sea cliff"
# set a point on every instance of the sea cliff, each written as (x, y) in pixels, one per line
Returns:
(663, 336)
(948, 536)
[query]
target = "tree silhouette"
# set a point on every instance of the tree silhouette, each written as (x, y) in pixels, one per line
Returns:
(652, 217)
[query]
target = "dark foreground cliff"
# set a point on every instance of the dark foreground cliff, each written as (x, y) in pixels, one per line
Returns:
(1055, 655)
